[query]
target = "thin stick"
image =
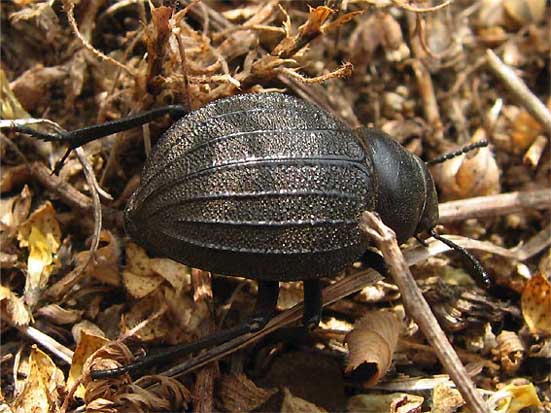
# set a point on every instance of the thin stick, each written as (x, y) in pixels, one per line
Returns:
(493, 205)
(47, 342)
(203, 390)
(419, 310)
(519, 90)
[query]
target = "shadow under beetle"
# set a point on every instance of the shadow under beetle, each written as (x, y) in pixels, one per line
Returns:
(269, 187)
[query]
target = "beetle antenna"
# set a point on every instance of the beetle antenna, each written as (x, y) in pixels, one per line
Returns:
(477, 267)
(447, 156)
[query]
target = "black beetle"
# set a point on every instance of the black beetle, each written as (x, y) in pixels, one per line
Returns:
(269, 187)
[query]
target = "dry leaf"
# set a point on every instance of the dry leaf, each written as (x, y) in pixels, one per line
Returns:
(86, 346)
(42, 236)
(10, 108)
(178, 275)
(15, 210)
(510, 350)
(13, 308)
(154, 329)
(446, 399)
(388, 403)
(59, 315)
(137, 276)
(13, 176)
(292, 404)
(40, 392)
(518, 397)
(524, 131)
(372, 342)
(470, 175)
(525, 12)
(239, 394)
(105, 264)
(536, 305)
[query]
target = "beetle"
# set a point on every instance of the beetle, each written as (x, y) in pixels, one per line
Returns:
(269, 187)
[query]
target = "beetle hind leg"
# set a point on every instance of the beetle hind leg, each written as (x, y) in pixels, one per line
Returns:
(265, 307)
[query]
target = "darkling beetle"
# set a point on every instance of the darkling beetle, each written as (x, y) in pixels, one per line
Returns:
(269, 187)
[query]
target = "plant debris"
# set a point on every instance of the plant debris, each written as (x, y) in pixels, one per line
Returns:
(78, 295)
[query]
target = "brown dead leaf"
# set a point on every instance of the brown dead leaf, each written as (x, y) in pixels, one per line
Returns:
(105, 264)
(86, 346)
(187, 314)
(59, 315)
(470, 175)
(510, 350)
(85, 326)
(137, 276)
(178, 275)
(13, 177)
(524, 131)
(42, 236)
(525, 12)
(388, 403)
(536, 305)
(13, 308)
(293, 404)
(156, 328)
(15, 210)
(33, 86)
(40, 392)
(372, 342)
(446, 399)
(239, 394)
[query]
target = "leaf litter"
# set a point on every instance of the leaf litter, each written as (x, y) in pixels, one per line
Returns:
(416, 70)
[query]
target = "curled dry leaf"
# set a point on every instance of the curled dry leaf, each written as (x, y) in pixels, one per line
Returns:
(59, 315)
(178, 275)
(511, 351)
(41, 390)
(185, 315)
(153, 393)
(86, 346)
(42, 236)
(525, 12)
(85, 326)
(470, 175)
(372, 342)
(388, 403)
(536, 305)
(13, 211)
(524, 131)
(293, 404)
(236, 393)
(13, 308)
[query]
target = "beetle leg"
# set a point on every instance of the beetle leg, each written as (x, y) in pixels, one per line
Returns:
(79, 137)
(312, 304)
(265, 307)
(371, 259)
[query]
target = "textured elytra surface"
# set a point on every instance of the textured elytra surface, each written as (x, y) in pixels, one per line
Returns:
(265, 186)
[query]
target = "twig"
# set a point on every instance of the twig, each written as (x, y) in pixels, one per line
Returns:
(96, 204)
(493, 205)
(69, 6)
(519, 90)
(203, 390)
(47, 342)
(418, 308)
(69, 195)
(342, 288)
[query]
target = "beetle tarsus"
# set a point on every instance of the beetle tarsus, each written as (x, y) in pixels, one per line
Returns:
(312, 304)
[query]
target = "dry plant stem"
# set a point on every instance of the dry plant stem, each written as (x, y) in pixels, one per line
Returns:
(203, 390)
(493, 205)
(96, 204)
(417, 307)
(520, 91)
(69, 195)
(47, 342)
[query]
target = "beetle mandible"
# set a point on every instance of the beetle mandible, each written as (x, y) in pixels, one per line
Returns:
(269, 187)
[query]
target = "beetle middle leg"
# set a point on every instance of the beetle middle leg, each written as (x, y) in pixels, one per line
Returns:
(312, 304)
